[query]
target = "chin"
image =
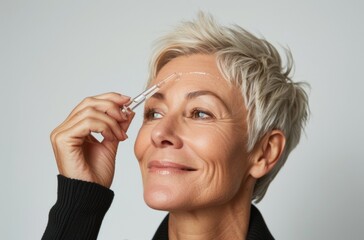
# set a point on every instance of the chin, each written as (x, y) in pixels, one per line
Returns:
(165, 199)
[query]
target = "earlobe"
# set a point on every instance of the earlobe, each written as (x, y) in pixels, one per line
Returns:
(267, 153)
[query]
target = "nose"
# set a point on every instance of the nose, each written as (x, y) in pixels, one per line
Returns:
(166, 133)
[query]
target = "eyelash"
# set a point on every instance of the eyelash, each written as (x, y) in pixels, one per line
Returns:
(197, 110)
(149, 112)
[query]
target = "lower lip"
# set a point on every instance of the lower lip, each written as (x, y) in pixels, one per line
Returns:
(168, 170)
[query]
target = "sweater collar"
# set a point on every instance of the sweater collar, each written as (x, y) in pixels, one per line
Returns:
(257, 230)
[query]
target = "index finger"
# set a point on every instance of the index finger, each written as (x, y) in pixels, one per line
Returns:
(113, 96)
(109, 103)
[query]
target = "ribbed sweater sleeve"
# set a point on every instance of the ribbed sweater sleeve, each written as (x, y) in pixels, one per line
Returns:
(79, 210)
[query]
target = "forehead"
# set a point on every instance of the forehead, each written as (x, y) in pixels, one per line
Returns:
(191, 78)
(192, 63)
(198, 68)
(195, 72)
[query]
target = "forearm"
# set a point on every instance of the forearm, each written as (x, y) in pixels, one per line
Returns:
(79, 210)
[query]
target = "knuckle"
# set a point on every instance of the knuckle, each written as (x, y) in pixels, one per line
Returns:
(88, 110)
(113, 105)
(87, 100)
(92, 123)
(88, 122)
(56, 137)
(116, 124)
(113, 94)
(53, 134)
(110, 121)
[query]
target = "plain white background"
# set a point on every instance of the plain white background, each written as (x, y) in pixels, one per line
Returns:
(55, 53)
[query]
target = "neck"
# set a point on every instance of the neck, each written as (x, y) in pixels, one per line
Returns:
(228, 221)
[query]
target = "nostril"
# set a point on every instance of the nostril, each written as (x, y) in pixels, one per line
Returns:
(164, 134)
(166, 142)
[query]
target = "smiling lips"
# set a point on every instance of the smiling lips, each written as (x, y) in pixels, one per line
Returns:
(165, 168)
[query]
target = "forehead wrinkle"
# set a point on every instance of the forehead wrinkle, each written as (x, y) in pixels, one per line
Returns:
(193, 95)
(196, 94)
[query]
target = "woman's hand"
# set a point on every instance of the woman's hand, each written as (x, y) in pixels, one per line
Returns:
(78, 154)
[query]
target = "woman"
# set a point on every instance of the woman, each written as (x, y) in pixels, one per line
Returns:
(212, 140)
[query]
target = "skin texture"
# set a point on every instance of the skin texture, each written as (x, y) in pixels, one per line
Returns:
(207, 134)
(78, 154)
(211, 141)
(190, 148)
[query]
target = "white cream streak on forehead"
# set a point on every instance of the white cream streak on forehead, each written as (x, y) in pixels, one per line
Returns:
(195, 75)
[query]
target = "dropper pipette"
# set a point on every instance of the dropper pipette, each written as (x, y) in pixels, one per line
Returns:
(136, 101)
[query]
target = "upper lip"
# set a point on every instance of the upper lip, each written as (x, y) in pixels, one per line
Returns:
(167, 164)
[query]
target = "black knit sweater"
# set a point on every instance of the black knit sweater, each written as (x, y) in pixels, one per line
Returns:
(81, 207)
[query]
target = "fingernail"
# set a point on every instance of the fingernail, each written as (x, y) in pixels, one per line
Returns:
(124, 114)
(125, 135)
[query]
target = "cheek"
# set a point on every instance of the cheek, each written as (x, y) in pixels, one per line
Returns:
(217, 142)
(222, 149)
(141, 143)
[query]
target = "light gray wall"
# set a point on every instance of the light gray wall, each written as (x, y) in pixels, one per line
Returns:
(55, 53)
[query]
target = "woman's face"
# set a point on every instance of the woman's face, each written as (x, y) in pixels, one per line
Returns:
(191, 147)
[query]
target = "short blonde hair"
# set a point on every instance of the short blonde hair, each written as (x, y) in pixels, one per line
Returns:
(272, 99)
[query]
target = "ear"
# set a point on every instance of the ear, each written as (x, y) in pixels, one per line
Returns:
(267, 153)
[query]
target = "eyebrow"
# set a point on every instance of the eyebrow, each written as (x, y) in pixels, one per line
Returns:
(195, 94)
